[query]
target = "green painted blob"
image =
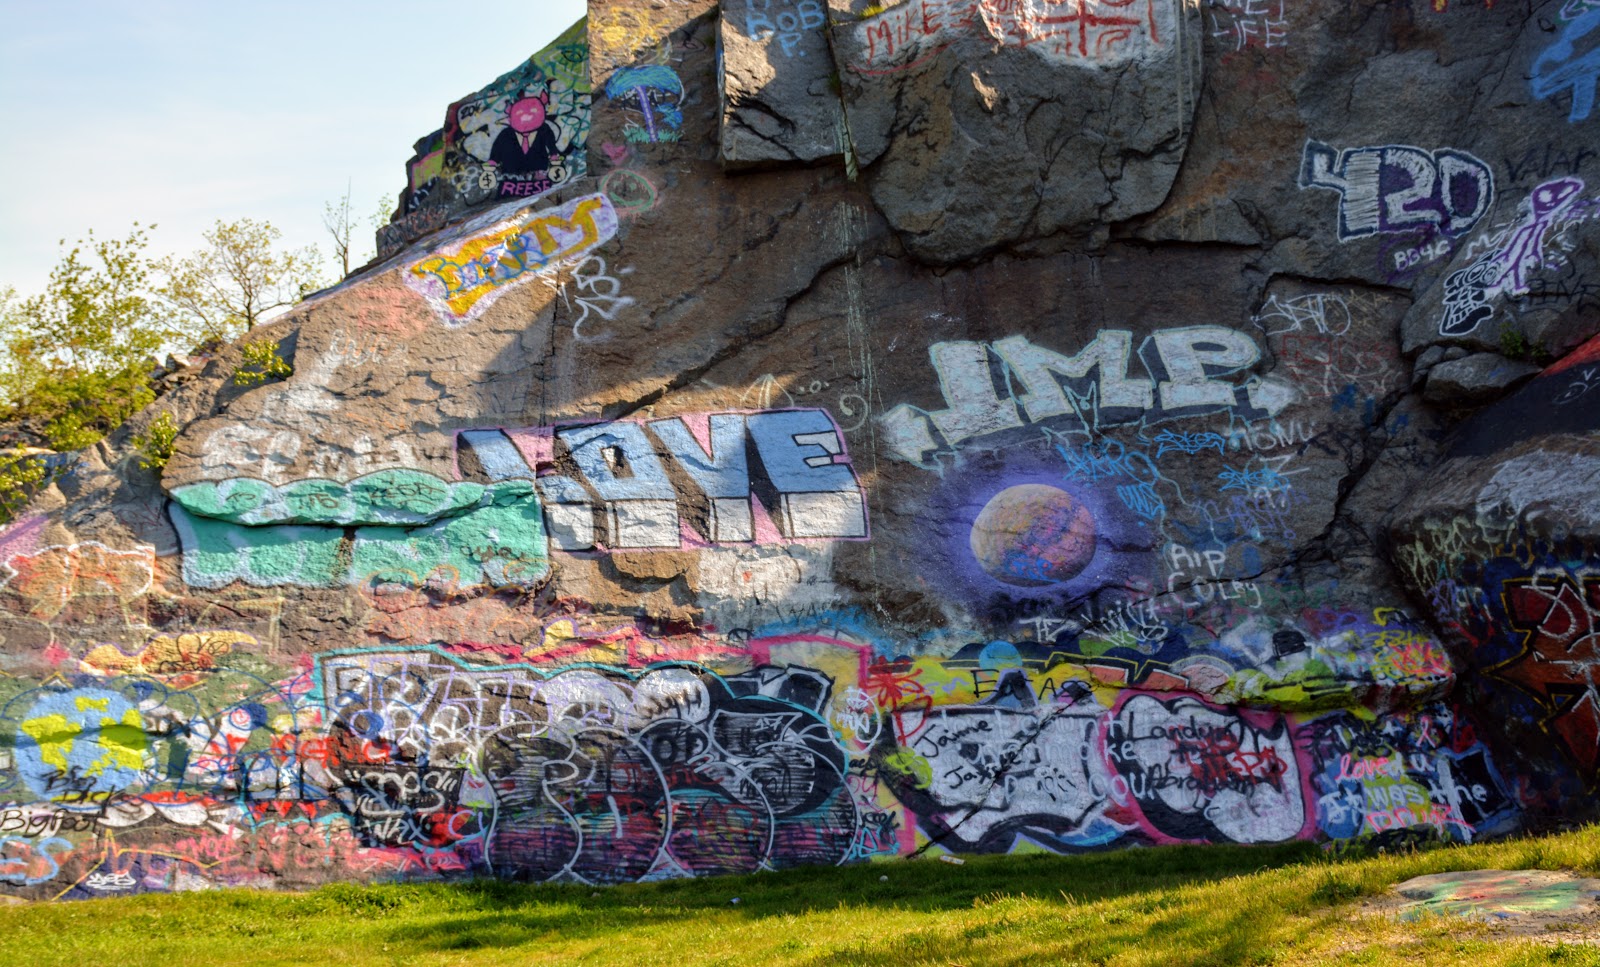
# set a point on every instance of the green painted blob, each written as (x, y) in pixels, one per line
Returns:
(496, 539)
(381, 498)
(215, 553)
(501, 544)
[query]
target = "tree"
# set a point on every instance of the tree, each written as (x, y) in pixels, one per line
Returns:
(96, 312)
(340, 223)
(382, 215)
(77, 356)
(236, 281)
(13, 375)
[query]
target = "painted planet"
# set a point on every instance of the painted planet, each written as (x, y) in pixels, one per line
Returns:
(1033, 535)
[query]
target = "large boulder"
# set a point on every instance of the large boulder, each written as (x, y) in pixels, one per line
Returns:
(1501, 546)
(985, 126)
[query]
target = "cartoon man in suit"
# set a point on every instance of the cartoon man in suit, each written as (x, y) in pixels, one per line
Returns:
(525, 149)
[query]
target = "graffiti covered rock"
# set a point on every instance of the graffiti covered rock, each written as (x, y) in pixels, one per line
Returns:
(1071, 429)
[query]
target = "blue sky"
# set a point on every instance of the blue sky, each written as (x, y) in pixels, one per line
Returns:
(181, 113)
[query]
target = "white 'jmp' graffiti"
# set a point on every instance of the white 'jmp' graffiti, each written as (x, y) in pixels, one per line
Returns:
(1092, 387)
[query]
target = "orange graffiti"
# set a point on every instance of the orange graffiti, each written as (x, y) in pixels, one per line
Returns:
(52, 577)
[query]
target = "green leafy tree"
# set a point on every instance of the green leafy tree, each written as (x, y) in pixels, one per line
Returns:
(16, 372)
(236, 281)
(77, 356)
(96, 313)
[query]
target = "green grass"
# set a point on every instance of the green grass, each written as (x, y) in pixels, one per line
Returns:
(1179, 905)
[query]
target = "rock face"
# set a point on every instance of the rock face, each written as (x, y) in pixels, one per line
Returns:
(1475, 379)
(1502, 547)
(1058, 434)
(780, 99)
(982, 125)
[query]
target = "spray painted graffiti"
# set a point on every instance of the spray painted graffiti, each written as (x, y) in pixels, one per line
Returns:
(1497, 894)
(80, 746)
(50, 579)
(1572, 63)
(1342, 370)
(1250, 23)
(588, 775)
(385, 497)
(1132, 474)
(1381, 777)
(1523, 607)
(1396, 188)
(1094, 629)
(1552, 402)
(1037, 759)
(603, 756)
(1504, 270)
(649, 96)
(1090, 389)
(980, 777)
(1311, 337)
(392, 525)
(588, 289)
(631, 193)
(683, 481)
(786, 21)
(1060, 31)
(519, 136)
(168, 655)
(1317, 313)
(524, 152)
(624, 34)
(1557, 615)
(1033, 535)
(464, 279)
(1205, 774)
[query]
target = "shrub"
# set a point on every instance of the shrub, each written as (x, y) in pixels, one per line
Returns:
(155, 444)
(21, 476)
(262, 356)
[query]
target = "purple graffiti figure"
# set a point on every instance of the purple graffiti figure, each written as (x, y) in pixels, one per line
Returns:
(1562, 65)
(1504, 270)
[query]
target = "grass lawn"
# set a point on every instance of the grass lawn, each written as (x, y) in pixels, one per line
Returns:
(1173, 905)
